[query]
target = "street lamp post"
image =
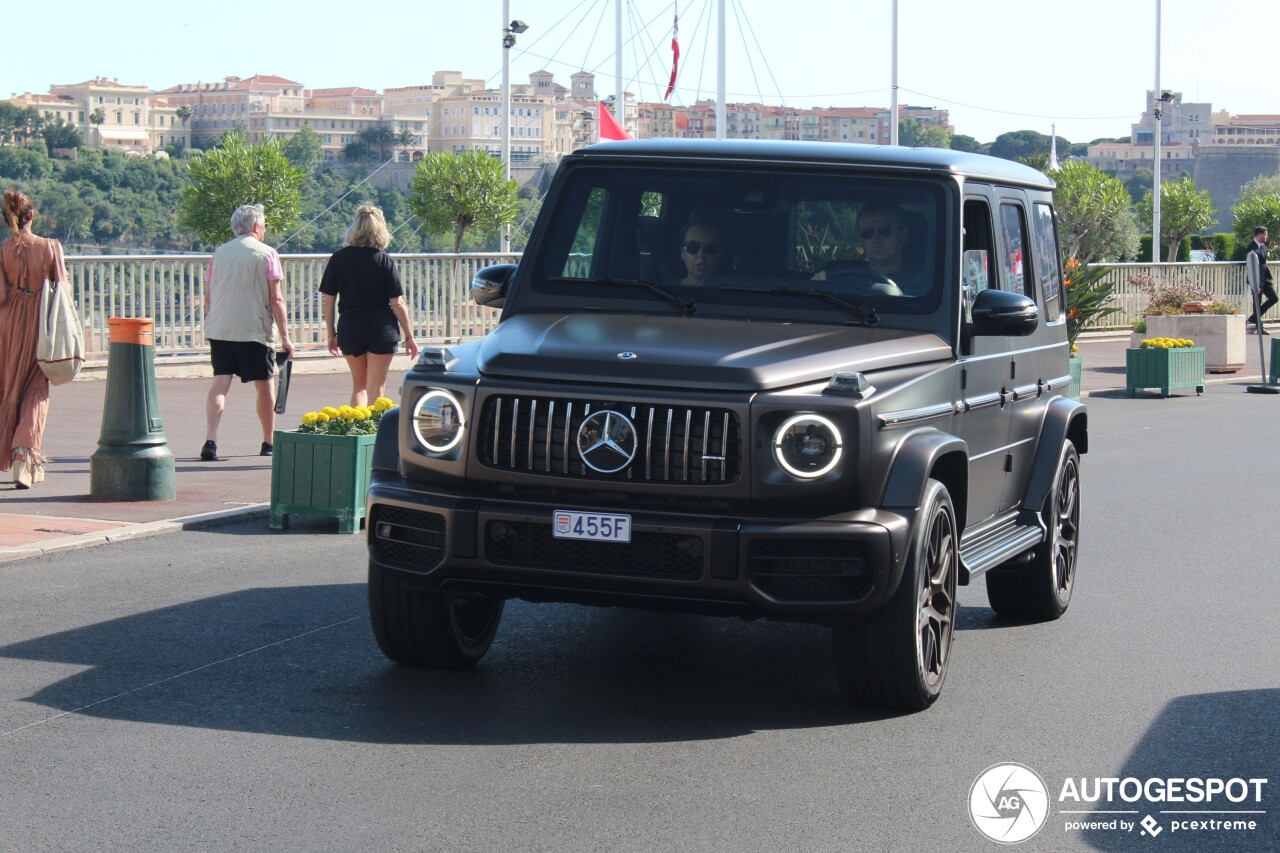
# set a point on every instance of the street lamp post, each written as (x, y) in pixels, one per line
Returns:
(509, 30)
(1158, 102)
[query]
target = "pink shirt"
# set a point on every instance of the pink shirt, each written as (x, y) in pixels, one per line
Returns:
(274, 271)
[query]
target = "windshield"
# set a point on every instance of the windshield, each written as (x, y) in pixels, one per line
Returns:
(747, 242)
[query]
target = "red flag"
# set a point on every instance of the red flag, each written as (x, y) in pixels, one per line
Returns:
(675, 56)
(608, 126)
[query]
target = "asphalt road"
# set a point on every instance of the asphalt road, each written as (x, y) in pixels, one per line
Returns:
(221, 689)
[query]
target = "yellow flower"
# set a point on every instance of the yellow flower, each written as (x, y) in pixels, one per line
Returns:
(323, 417)
(347, 412)
(363, 413)
(331, 412)
(382, 404)
(309, 418)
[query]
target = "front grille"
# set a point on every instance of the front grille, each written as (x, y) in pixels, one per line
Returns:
(407, 536)
(809, 570)
(523, 545)
(675, 444)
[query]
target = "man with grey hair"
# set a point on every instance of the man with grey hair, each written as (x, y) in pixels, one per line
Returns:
(243, 295)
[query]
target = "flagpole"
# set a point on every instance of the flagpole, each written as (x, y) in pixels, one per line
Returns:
(720, 114)
(619, 111)
(893, 88)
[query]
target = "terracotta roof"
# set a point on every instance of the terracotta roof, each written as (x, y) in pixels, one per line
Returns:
(344, 92)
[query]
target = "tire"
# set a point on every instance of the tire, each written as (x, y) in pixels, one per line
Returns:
(1041, 591)
(430, 630)
(897, 656)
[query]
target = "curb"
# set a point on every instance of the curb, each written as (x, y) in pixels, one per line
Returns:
(140, 530)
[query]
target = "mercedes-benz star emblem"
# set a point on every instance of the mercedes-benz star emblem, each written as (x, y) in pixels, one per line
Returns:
(627, 356)
(607, 441)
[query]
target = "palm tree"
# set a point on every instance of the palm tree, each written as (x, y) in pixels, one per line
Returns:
(406, 138)
(97, 118)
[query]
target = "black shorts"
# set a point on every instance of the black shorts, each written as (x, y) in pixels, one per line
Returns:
(359, 335)
(250, 360)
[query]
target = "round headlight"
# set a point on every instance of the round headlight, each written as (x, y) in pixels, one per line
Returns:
(438, 421)
(807, 446)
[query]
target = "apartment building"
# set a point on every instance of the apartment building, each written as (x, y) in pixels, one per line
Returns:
(110, 114)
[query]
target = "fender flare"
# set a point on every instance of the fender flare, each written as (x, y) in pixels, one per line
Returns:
(913, 460)
(1063, 419)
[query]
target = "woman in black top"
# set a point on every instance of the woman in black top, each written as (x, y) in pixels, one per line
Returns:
(362, 280)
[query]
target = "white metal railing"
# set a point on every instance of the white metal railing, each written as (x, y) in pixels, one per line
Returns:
(1223, 279)
(170, 290)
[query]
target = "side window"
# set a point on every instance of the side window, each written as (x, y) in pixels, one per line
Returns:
(649, 241)
(977, 252)
(1048, 269)
(1013, 239)
(585, 239)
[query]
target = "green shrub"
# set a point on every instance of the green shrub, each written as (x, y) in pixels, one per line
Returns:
(1144, 249)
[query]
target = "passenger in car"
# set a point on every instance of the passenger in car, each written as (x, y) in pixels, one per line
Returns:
(701, 251)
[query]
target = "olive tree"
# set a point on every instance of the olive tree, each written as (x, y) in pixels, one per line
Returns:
(1255, 210)
(239, 173)
(1095, 216)
(454, 192)
(1183, 211)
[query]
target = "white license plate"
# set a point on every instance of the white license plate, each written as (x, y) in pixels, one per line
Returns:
(595, 526)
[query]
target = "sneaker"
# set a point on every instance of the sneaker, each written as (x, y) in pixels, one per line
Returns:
(266, 449)
(21, 471)
(209, 453)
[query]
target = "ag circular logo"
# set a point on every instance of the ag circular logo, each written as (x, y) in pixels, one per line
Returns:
(1008, 803)
(607, 441)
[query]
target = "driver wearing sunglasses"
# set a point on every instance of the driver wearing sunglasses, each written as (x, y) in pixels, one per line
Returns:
(882, 228)
(701, 252)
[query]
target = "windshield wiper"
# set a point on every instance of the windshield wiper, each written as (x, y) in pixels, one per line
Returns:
(866, 315)
(685, 305)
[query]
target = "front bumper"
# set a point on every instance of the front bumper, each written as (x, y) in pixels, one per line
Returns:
(799, 570)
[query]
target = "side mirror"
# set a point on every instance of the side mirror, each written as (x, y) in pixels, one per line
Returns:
(489, 286)
(999, 312)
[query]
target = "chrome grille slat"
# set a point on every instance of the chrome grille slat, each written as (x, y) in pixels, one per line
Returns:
(568, 419)
(706, 437)
(688, 419)
(679, 437)
(533, 427)
(551, 426)
(666, 449)
(497, 423)
(724, 448)
(648, 448)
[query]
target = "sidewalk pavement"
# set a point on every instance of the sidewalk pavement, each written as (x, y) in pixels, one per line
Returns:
(60, 514)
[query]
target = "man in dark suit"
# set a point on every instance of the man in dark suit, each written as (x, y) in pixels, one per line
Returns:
(1264, 285)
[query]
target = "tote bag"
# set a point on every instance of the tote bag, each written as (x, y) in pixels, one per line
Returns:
(60, 350)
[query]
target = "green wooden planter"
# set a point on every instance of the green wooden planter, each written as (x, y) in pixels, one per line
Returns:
(1164, 369)
(325, 475)
(1075, 363)
(1274, 373)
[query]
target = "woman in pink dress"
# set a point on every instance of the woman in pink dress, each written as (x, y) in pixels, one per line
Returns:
(25, 262)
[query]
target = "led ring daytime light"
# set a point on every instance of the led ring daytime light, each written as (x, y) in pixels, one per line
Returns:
(807, 446)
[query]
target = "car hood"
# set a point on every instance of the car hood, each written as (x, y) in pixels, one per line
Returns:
(686, 352)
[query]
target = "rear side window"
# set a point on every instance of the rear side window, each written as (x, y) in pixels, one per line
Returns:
(1013, 242)
(1048, 269)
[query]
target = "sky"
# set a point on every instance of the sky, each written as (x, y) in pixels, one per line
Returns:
(997, 65)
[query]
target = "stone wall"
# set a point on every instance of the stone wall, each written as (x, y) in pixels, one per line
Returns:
(1223, 170)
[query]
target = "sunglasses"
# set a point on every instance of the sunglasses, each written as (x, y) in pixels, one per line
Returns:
(693, 247)
(882, 231)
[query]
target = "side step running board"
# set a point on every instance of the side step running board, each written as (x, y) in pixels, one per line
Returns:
(995, 548)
